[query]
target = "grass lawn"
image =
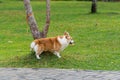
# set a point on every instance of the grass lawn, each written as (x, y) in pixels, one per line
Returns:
(96, 36)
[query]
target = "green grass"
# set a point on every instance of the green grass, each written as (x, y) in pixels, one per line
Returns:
(97, 36)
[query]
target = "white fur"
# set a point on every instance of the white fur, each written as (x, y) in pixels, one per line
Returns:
(36, 51)
(36, 48)
(32, 46)
(57, 54)
(37, 56)
(63, 42)
(72, 41)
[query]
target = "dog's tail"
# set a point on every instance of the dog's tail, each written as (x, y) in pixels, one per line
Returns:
(32, 46)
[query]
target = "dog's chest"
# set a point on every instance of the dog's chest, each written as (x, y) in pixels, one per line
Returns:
(63, 47)
(63, 43)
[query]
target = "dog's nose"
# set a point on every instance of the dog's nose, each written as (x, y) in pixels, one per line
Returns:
(71, 42)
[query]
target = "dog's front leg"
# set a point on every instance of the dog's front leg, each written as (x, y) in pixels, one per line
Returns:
(57, 54)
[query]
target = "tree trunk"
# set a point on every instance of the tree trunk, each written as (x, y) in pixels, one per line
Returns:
(46, 27)
(94, 6)
(32, 22)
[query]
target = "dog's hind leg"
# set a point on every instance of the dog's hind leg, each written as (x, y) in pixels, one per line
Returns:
(38, 52)
(37, 56)
(32, 46)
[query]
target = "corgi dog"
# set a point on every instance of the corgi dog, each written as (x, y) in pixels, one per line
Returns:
(52, 44)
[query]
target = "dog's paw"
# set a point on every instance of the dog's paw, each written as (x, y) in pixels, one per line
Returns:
(59, 56)
(37, 56)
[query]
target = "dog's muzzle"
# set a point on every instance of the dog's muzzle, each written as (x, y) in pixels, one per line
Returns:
(71, 42)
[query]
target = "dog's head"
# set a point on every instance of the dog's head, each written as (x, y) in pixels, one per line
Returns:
(68, 38)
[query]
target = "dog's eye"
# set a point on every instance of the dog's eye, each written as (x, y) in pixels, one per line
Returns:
(66, 37)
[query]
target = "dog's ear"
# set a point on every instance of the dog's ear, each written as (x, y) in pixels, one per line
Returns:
(66, 33)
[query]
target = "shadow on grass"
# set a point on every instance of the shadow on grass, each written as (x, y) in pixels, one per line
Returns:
(45, 55)
(30, 61)
(48, 60)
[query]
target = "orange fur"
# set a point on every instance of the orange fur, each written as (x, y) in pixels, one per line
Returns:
(48, 44)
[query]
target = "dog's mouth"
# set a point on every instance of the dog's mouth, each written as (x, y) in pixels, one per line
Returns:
(71, 43)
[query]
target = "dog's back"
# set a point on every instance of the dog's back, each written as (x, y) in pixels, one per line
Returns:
(47, 44)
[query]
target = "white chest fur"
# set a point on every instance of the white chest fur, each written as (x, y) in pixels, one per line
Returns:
(63, 42)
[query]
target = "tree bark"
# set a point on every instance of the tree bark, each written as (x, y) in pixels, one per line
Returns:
(46, 27)
(32, 22)
(94, 6)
